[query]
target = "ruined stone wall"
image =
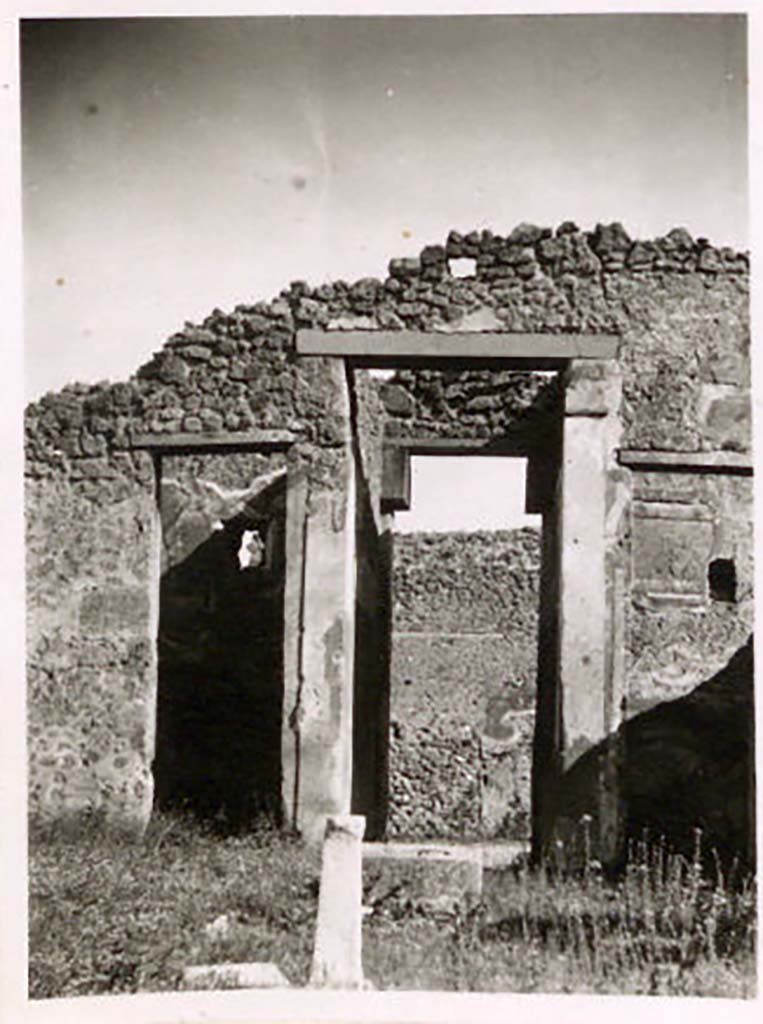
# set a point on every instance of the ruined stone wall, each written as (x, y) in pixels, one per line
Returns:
(680, 308)
(679, 305)
(463, 684)
(93, 538)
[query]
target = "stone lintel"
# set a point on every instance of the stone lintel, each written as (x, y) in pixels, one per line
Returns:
(185, 442)
(414, 348)
(714, 462)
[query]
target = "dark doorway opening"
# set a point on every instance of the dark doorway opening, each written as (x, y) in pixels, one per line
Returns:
(220, 642)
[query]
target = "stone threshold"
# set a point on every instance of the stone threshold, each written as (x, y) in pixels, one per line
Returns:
(491, 855)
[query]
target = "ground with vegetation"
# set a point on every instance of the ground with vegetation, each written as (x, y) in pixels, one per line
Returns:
(111, 916)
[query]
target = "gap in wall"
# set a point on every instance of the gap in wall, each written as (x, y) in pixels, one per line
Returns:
(220, 641)
(466, 568)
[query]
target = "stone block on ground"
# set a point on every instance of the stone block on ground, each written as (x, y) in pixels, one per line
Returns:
(502, 855)
(259, 974)
(429, 876)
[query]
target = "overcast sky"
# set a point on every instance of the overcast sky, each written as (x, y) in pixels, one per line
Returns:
(175, 165)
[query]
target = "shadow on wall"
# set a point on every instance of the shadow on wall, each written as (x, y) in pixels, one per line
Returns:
(687, 764)
(220, 693)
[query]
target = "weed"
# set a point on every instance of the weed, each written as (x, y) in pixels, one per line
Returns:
(109, 915)
(664, 928)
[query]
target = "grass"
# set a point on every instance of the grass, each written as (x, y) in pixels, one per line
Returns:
(108, 915)
(663, 929)
(112, 916)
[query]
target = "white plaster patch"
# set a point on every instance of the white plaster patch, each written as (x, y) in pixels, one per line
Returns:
(250, 550)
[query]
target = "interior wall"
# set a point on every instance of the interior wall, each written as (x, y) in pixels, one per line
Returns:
(678, 632)
(464, 643)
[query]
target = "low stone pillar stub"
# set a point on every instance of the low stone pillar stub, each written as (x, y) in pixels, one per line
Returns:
(337, 957)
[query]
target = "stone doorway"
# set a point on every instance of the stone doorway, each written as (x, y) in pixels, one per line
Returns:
(575, 483)
(220, 635)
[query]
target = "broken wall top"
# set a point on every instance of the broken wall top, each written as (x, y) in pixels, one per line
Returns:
(679, 305)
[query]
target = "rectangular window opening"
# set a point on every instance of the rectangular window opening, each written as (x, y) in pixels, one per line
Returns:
(722, 580)
(463, 266)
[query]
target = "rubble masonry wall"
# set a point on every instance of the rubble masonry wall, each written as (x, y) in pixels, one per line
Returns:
(680, 306)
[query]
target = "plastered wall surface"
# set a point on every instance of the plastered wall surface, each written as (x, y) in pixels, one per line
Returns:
(678, 632)
(680, 308)
(92, 591)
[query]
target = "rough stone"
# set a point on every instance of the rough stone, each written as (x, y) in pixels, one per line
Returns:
(246, 975)
(404, 267)
(610, 238)
(173, 370)
(727, 423)
(525, 234)
(397, 400)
